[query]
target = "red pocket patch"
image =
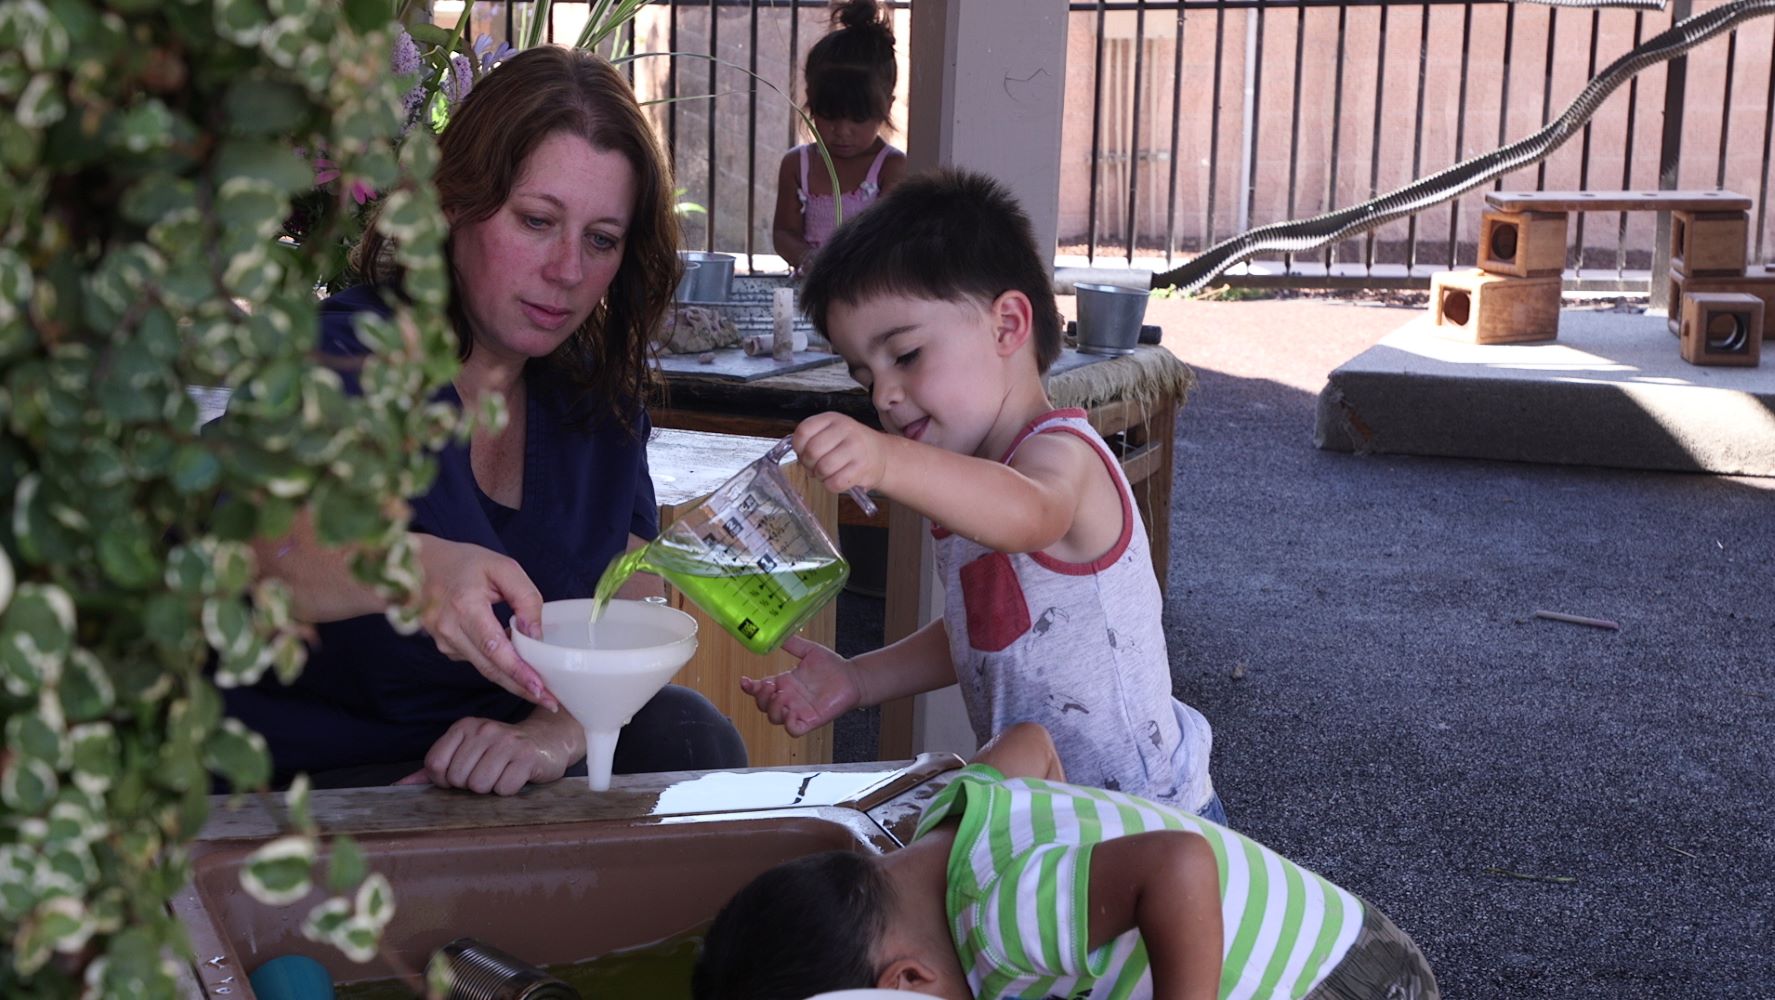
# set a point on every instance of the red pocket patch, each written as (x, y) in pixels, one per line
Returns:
(997, 610)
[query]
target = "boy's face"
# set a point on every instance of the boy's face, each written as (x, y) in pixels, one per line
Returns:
(934, 369)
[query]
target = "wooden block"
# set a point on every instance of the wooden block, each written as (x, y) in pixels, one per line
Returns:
(1708, 243)
(1522, 244)
(686, 466)
(1493, 308)
(1722, 328)
(1757, 280)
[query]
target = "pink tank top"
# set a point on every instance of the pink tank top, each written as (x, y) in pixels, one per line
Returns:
(819, 211)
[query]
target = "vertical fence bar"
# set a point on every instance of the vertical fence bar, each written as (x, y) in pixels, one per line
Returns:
(751, 132)
(1171, 165)
(714, 53)
(1417, 142)
(794, 70)
(1578, 246)
(1504, 85)
(672, 82)
(629, 68)
(1337, 119)
(1300, 35)
(1726, 106)
(1134, 129)
(1249, 194)
(1768, 134)
(1374, 152)
(1669, 159)
(1454, 207)
(1639, 25)
(1096, 139)
(1214, 117)
(1547, 89)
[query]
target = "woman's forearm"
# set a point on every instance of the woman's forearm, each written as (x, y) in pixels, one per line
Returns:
(322, 585)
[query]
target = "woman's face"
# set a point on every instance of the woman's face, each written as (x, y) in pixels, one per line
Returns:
(531, 273)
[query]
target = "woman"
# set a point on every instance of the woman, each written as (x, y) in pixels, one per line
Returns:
(563, 257)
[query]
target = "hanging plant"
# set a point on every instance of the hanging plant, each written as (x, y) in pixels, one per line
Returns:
(149, 161)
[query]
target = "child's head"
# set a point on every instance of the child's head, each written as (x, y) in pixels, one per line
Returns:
(850, 75)
(805, 927)
(949, 259)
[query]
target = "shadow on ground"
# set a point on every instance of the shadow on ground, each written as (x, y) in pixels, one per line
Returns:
(1387, 711)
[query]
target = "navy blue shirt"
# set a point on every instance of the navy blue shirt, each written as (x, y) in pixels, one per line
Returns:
(370, 695)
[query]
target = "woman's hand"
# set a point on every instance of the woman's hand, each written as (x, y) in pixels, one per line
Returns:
(484, 756)
(462, 582)
(841, 452)
(821, 688)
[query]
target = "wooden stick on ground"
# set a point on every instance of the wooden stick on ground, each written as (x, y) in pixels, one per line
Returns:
(1560, 616)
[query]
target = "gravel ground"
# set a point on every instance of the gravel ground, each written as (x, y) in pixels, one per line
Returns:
(1550, 810)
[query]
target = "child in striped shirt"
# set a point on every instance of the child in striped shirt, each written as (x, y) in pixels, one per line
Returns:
(1018, 885)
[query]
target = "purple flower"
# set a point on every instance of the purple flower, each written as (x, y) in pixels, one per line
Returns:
(460, 80)
(406, 58)
(492, 56)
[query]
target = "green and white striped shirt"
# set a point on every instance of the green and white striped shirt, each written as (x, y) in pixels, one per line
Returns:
(1019, 897)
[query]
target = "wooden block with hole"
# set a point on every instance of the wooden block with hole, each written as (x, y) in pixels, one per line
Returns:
(1722, 328)
(1495, 308)
(1522, 244)
(1757, 280)
(1708, 244)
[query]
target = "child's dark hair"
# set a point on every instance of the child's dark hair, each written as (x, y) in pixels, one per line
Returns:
(944, 236)
(850, 73)
(806, 926)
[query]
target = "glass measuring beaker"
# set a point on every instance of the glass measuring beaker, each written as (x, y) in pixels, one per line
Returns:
(751, 555)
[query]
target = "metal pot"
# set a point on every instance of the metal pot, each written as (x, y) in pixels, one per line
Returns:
(1109, 318)
(708, 277)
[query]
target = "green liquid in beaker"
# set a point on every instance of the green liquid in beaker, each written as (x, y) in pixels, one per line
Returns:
(760, 607)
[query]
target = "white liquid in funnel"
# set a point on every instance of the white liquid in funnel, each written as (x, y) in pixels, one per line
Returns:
(602, 676)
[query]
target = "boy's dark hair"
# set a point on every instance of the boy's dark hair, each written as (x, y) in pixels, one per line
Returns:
(806, 926)
(850, 72)
(945, 236)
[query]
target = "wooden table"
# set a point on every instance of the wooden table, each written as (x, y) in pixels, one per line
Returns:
(1133, 402)
(686, 467)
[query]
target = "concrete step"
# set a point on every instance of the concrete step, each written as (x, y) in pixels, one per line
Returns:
(1611, 391)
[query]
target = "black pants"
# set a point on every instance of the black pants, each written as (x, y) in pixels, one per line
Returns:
(679, 730)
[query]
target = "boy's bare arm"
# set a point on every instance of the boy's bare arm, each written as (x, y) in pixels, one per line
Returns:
(916, 664)
(1027, 506)
(1023, 751)
(1166, 885)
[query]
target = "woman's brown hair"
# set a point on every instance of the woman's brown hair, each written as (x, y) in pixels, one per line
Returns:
(531, 96)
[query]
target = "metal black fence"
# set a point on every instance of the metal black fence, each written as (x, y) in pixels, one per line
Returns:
(1206, 117)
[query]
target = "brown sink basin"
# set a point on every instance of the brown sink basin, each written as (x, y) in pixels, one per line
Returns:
(558, 874)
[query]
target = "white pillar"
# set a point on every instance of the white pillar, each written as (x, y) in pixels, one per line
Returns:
(986, 94)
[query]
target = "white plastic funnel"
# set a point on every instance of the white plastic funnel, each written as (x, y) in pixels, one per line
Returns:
(639, 646)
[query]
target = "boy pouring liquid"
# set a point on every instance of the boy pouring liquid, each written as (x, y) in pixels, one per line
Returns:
(941, 306)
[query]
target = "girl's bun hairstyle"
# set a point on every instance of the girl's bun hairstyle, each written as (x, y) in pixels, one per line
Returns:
(851, 72)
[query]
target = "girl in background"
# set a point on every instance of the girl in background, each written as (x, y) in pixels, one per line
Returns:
(850, 76)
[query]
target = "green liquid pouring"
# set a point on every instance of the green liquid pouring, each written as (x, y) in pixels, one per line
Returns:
(759, 600)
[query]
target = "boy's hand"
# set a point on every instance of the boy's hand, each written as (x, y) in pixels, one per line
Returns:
(820, 689)
(841, 452)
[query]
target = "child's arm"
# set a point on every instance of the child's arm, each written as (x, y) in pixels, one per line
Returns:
(786, 228)
(1166, 885)
(1027, 506)
(893, 171)
(824, 685)
(1023, 751)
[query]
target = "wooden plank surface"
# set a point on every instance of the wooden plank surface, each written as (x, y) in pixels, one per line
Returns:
(1617, 201)
(687, 466)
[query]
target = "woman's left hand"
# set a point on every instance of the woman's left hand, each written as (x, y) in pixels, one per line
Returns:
(483, 755)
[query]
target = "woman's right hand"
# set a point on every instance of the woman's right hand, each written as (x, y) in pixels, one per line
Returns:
(462, 582)
(821, 688)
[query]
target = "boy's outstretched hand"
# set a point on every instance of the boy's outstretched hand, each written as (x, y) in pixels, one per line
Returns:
(841, 452)
(821, 688)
